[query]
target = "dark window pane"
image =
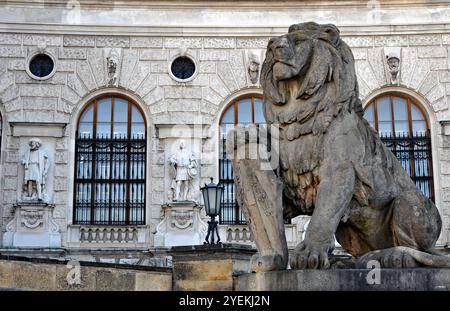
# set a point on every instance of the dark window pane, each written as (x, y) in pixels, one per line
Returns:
(419, 127)
(120, 130)
(87, 123)
(413, 150)
(416, 114)
(120, 110)
(369, 115)
(120, 126)
(85, 129)
(110, 172)
(245, 111)
(259, 113)
(183, 67)
(384, 109)
(385, 127)
(228, 117)
(231, 212)
(104, 110)
(401, 127)
(103, 129)
(400, 109)
(41, 65)
(137, 124)
(136, 116)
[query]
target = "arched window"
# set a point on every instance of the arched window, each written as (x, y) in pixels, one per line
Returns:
(245, 110)
(403, 127)
(110, 164)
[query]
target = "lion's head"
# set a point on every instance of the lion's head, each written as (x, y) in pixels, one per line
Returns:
(305, 69)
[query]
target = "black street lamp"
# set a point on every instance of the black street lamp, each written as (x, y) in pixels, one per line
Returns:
(212, 195)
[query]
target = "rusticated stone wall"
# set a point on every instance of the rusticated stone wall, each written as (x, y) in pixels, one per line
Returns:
(222, 62)
(51, 275)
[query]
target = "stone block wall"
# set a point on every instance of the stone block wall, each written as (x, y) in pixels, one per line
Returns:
(18, 273)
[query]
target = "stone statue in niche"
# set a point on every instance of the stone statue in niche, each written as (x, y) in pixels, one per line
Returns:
(112, 61)
(253, 67)
(36, 165)
(393, 62)
(182, 169)
(330, 164)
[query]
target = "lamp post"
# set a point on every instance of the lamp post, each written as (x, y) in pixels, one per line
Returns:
(212, 195)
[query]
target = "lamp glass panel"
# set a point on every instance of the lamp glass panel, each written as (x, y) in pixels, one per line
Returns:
(212, 192)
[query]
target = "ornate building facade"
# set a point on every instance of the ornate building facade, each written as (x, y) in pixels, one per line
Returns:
(110, 91)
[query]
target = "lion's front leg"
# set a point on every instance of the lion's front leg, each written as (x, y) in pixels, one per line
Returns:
(333, 197)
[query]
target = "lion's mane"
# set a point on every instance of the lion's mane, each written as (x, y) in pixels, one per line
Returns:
(308, 79)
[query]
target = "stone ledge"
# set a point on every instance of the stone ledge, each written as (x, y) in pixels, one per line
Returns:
(420, 279)
(38, 129)
(205, 252)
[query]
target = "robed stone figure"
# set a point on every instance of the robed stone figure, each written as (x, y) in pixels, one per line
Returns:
(182, 168)
(36, 164)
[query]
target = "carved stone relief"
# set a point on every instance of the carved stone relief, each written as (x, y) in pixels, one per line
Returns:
(112, 66)
(253, 66)
(392, 55)
(183, 171)
(181, 225)
(32, 226)
(36, 164)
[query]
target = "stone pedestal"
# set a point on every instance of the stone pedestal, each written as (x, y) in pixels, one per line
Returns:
(209, 267)
(32, 226)
(420, 279)
(181, 225)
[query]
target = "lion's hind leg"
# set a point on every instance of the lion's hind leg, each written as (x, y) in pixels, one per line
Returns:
(415, 227)
(416, 222)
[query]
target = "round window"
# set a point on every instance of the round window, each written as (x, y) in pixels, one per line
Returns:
(41, 66)
(183, 68)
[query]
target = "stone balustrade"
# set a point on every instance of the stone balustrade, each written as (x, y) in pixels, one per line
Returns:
(125, 236)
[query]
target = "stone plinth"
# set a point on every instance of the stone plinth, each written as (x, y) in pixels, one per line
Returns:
(209, 267)
(32, 226)
(181, 225)
(420, 279)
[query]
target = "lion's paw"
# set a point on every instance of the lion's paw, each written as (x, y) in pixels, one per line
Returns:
(310, 256)
(387, 258)
(267, 263)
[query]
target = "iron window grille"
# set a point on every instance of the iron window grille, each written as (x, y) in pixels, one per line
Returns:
(403, 127)
(110, 170)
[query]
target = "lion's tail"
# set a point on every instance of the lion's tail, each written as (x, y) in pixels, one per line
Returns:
(427, 259)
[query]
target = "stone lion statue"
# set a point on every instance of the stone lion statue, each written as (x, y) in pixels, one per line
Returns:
(332, 166)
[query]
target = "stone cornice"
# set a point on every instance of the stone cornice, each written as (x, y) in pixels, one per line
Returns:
(264, 4)
(190, 17)
(254, 31)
